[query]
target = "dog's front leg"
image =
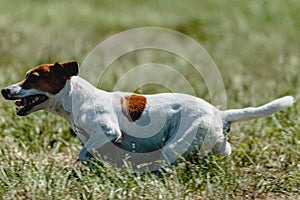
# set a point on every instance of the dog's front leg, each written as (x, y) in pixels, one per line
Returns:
(85, 157)
(89, 150)
(103, 134)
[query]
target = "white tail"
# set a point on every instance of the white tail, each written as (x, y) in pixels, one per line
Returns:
(237, 115)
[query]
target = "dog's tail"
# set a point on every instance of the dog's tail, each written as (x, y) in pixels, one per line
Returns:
(238, 115)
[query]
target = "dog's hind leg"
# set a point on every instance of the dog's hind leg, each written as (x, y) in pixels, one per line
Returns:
(203, 136)
(222, 148)
(182, 142)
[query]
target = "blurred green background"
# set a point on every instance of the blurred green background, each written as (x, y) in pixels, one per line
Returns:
(255, 45)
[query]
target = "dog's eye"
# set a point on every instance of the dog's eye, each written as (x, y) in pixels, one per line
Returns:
(35, 74)
(32, 75)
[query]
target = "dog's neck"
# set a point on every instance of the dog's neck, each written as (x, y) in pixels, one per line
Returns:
(61, 103)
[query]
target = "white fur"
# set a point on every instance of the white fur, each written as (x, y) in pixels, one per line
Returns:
(171, 124)
(238, 115)
(192, 122)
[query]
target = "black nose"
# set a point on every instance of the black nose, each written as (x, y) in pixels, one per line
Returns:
(5, 93)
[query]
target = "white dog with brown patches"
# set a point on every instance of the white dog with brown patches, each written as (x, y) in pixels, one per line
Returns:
(173, 124)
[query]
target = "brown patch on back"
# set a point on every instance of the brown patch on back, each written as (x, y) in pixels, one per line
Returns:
(133, 106)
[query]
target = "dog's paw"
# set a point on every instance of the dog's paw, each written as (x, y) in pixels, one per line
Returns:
(86, 158)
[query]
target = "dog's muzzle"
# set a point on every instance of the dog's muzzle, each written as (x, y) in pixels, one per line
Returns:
(6, 94)
(24, 103)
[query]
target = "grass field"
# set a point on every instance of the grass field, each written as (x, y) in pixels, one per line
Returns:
(255, 45)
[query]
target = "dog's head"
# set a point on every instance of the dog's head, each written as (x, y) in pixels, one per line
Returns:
(41, 83)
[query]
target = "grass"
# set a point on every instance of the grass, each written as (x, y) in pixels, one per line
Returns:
(255, 45)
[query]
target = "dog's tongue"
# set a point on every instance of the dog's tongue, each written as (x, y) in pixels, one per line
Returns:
(21, 102)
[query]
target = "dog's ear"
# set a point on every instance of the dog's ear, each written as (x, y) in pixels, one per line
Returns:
(69, 68)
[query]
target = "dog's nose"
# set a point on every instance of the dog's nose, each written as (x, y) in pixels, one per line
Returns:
(5, 93)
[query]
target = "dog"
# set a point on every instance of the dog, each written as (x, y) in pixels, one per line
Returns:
(168, 125)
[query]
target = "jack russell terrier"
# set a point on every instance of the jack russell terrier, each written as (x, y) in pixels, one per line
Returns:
(171, 124)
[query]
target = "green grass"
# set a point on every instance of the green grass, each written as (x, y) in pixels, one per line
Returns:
(255, 45)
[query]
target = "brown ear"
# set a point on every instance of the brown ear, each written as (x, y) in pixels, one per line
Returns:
(70, 68)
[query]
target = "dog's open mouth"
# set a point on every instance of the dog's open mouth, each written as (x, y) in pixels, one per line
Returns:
(26, 103)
